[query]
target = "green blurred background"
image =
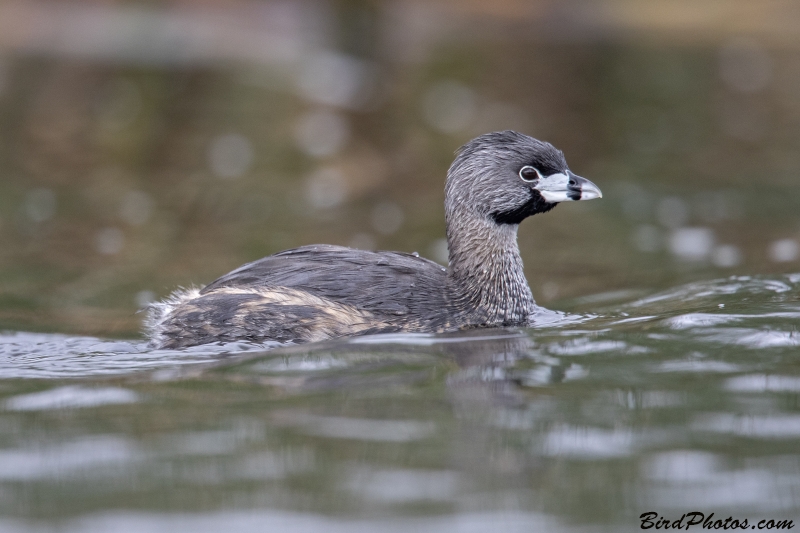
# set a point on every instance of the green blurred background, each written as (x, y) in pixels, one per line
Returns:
(147, 145)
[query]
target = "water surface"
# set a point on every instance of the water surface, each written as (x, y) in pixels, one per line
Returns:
(678, 401)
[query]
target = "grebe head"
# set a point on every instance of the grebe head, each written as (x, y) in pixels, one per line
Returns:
(507, 176)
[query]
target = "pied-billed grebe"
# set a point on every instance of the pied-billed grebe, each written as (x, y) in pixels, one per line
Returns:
(320, 292)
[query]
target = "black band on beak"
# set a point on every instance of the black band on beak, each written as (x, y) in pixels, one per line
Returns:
(579, 188)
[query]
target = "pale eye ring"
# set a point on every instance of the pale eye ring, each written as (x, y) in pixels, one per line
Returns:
(529, 174)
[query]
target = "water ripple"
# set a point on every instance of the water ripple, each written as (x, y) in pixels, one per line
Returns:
(39, 355)
(761, 427)
(70, 397)
(763, 383)
(587, 442)
(752, 338)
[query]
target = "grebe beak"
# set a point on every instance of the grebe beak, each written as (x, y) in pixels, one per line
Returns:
(567, 187)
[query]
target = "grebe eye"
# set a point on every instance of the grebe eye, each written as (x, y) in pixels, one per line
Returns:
(529, 174)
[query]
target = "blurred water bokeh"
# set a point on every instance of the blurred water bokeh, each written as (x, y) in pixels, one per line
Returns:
(150, 145)
(146, 146)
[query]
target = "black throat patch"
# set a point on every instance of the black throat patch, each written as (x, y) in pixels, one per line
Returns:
(535, 205)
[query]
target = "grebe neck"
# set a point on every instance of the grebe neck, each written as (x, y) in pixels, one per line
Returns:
(486, 268)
